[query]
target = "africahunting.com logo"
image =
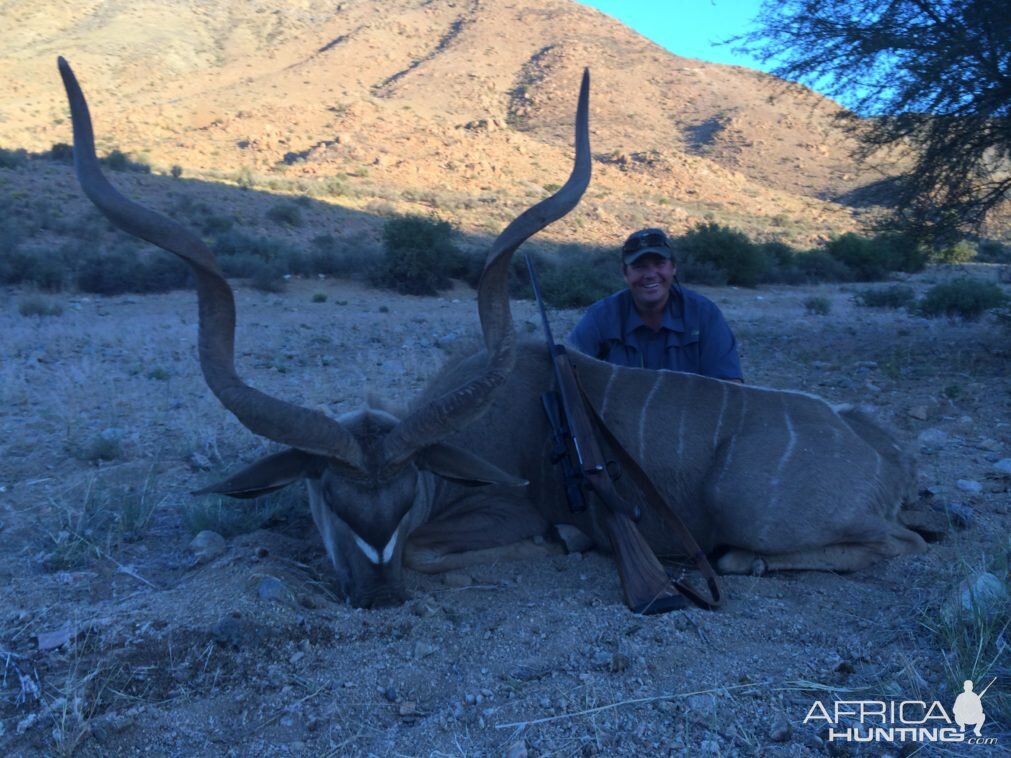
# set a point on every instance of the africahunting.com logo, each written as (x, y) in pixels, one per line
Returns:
(867, 721)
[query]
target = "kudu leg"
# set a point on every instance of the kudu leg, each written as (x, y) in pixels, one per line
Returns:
(479, 528)
(841, 557)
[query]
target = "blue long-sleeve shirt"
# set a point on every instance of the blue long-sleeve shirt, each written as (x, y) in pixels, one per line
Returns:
(695, 338)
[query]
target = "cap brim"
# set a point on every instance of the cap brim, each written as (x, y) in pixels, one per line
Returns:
(663, 252)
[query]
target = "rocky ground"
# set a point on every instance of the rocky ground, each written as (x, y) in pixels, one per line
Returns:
(119, 636)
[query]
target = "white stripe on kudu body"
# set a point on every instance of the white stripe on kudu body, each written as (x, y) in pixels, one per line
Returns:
(758, 473)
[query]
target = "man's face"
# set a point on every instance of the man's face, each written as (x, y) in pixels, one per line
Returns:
(649, 279)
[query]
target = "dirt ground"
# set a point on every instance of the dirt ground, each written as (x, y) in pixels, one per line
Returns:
(116, 638)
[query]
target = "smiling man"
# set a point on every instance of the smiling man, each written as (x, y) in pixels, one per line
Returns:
(656, 323)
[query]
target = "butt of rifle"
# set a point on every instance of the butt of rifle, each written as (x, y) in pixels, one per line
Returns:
(647, 588)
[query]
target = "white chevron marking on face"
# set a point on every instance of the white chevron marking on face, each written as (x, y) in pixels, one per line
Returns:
(372, 554)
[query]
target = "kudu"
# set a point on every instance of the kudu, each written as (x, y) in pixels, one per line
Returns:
(773, 479)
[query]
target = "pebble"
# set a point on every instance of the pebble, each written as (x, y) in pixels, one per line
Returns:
(781, 730)
(272, 588)
(517, 750)
(1003, 466)
(969, 485)
(984, 593)
(424, 649)
(933, 438)
(961, 516)
(207, 546)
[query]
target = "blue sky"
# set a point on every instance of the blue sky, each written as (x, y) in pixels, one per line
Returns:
(687, 27)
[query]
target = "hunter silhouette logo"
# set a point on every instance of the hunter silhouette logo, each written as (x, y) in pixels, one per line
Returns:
(968, 708)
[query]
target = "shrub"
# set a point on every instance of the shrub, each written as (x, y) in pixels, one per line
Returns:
(124, 271)
(36, 306)
(285, 213)
(965, 298)
(962, 251)
(991, 251)
(120, 161)
(419, 255)
(61, 152)
(577, 279)
(872, 259)
(13, 158)
(817, 306)
(726, 249)
(896, 296)
(819, 266)
(44, 272)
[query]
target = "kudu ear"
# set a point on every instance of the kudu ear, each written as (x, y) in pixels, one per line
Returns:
(463, 467)
(268, 474)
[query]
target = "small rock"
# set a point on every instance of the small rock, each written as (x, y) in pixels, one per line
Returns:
(207, 546)
(231, 631)
(990, 445)
(781, 730)
(933, 438)
(960, 516)
(984, 594)
(969, 485)
(619, 662)
(200, 462)
(1003, 466)
(702, 706)
(517, 750)
(272, 588)
(918, 412)
(424, 649)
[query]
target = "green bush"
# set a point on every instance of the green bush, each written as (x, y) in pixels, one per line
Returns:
(61, 152)
(818, 306)
(991, 251)
(725, 249)
(13, 158)
(896, 296)
(285, 213)
(962, 251)
(120, 161)
(420, 255)
(874, 258)
(964, 298)
(575, 279)
(18, 266)
(122, 271)
(36, 306)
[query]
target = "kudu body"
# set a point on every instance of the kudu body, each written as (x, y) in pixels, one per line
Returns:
(766, 474)
(768, 479)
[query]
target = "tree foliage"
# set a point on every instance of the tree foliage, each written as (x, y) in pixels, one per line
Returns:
(930, 77)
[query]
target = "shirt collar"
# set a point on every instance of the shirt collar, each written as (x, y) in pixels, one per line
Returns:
(671, 320)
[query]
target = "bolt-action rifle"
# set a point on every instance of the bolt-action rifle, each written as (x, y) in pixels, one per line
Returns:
(575, 447)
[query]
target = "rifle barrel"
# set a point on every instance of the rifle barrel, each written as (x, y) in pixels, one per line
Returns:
(540, 301)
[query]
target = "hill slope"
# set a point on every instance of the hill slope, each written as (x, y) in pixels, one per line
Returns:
(433, 104)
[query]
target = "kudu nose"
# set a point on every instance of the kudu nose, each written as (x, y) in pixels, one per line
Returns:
(386, 597)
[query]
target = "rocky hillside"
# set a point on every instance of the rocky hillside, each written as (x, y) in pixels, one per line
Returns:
(420, 105)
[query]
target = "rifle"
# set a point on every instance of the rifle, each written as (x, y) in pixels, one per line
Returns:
(647, 588)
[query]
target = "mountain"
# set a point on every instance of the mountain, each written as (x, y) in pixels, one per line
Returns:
(461, 106)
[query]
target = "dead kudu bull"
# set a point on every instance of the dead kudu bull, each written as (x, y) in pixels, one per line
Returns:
(771, 478)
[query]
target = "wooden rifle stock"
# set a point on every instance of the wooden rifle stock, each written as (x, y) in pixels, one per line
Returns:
(647, 588)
